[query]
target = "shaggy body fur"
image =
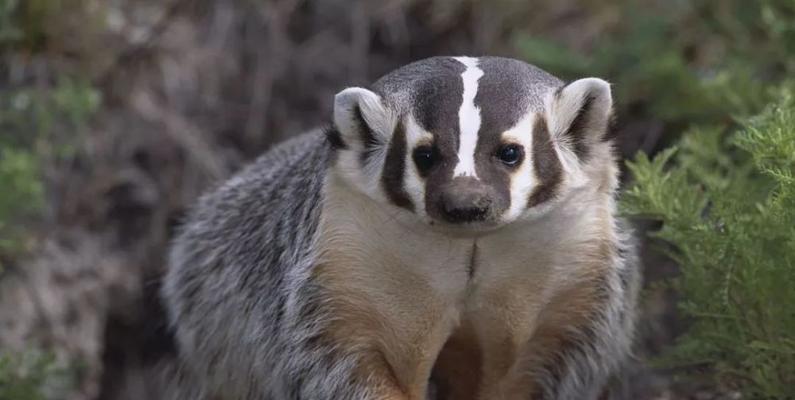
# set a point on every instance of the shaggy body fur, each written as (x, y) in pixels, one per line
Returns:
(289, 282)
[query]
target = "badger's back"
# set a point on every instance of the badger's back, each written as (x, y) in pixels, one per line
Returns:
(235, 251)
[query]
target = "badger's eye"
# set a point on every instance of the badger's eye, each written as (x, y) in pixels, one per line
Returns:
(425, 157)
(510, 154)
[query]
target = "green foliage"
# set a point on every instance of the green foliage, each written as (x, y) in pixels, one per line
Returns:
(42, 118)
(727, 206)
(725, 195)
(22, 193)
(43, 111)
(689, 62)
(22, 23)
(32, 376)
(35, 26)
(9, 31)
(39, 126)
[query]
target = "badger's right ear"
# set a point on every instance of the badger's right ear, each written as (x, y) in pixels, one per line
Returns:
(362, 121)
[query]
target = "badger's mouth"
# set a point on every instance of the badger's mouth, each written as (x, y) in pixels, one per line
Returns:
(474, 228)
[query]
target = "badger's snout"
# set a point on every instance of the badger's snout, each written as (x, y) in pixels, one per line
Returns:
(465, 200)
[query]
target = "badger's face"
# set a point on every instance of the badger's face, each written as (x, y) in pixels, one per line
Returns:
(469, 144)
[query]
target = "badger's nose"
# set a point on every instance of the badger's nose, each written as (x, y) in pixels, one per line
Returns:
(465, 200)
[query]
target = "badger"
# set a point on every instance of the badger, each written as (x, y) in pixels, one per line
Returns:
(452, 234)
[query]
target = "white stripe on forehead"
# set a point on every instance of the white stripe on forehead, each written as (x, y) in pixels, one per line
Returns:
(468, 118)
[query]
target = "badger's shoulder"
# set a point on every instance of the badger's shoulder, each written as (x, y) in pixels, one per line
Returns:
(281, 185)
(248, 231)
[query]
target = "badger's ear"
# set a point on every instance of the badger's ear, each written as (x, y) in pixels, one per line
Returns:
(581, 113)
(361, 120)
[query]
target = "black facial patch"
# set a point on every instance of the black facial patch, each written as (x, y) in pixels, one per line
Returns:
(367, 136)
(437, 101)
(425, 157)
(395, 169)
(431, 91)
(502, 98)
(548, 169)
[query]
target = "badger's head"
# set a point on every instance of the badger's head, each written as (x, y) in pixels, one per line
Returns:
(471, 144)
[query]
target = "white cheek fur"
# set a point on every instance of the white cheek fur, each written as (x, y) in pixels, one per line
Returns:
(523, 179)
(366, 180)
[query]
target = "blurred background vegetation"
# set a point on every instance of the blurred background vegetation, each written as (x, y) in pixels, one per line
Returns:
(116, 114)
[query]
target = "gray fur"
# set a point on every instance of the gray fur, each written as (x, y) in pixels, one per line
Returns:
(248, 317)
(601, 350)
(240, 301)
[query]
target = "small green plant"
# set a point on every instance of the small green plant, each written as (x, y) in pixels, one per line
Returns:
(724, 196)
(39, 126)
(22, 194)
(727, 207)
(38, 122)
(32, 376)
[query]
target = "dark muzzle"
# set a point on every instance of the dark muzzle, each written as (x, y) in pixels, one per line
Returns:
(466, 200)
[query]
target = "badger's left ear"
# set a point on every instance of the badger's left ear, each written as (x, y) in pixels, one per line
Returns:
(580, 114)
(362, 121)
